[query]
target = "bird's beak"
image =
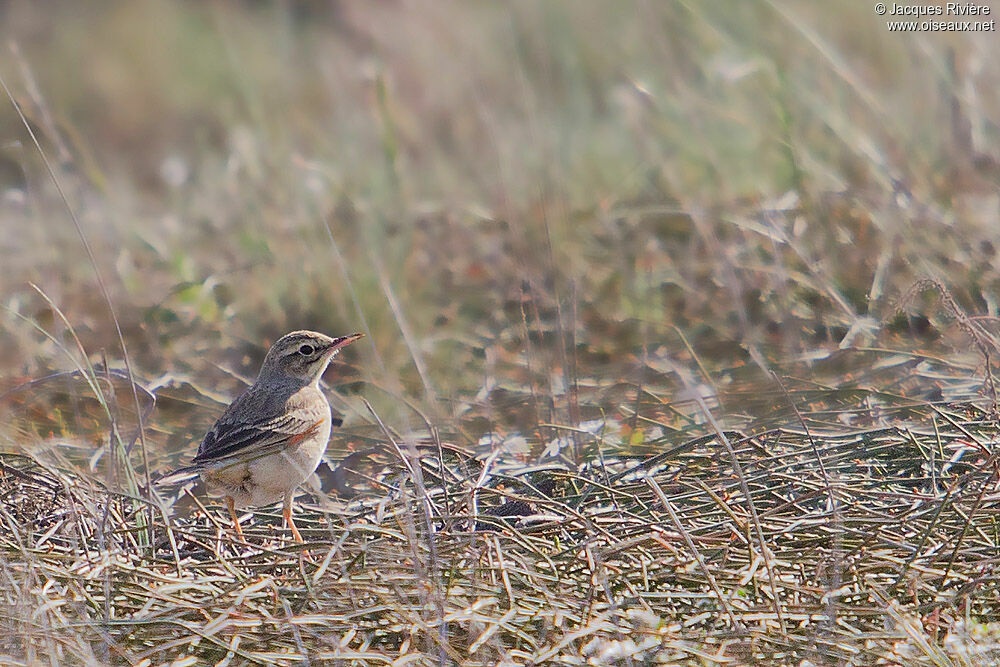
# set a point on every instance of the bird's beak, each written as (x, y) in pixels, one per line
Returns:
(343, 341)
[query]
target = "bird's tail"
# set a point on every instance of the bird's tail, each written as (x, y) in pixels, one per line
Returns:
(173, 490)
(178, 476)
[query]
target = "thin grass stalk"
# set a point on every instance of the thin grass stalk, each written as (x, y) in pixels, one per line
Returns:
(416, 474)
(404, 329)
(832, 499)
(87, 371)
(745, 488)
(97, 273)
(346, 275)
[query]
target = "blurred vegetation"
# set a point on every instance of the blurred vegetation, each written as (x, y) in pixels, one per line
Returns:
(539, 212)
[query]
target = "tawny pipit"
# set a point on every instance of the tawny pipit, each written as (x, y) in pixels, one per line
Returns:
(271, 438)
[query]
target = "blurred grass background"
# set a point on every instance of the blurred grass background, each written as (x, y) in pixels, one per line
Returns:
(517, 202)
(762, 176)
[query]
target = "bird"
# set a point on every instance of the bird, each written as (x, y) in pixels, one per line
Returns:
(273, 436)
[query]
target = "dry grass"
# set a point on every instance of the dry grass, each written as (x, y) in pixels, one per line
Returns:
(865, 543)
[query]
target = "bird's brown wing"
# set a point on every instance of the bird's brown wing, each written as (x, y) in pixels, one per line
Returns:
(249, 440)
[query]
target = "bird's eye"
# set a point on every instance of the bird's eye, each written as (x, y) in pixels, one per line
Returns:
(306, 350)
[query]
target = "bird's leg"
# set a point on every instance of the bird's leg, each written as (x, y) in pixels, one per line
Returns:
(231, 505)
(287, 513)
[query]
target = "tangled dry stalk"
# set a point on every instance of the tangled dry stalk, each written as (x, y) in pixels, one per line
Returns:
(875, 554)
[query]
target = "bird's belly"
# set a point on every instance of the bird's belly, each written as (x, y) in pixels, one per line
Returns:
(266, 480)
(281, 473)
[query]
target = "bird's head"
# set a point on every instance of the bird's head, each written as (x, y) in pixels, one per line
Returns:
(302, 356)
